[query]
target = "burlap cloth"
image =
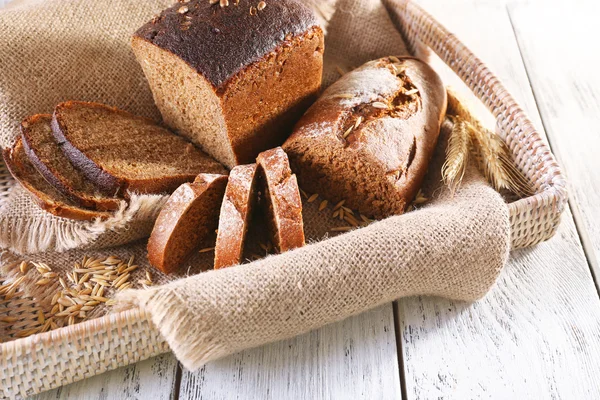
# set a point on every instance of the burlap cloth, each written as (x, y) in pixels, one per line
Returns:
(455, 246)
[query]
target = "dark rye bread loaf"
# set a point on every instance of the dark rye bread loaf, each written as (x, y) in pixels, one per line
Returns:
(370, 136)
(235, 216)
(44, 194)
(232, 79)
(50, 161)
(119, 151)
(282, 201)
(189, 216)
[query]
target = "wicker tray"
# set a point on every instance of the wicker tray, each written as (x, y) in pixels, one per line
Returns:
(48, 360)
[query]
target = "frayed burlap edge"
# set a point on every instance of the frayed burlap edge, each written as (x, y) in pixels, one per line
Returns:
(36, 235)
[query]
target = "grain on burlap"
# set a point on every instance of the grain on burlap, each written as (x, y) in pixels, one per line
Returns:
(76, 49)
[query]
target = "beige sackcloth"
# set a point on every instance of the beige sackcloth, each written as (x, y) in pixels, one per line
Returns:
(454, 246)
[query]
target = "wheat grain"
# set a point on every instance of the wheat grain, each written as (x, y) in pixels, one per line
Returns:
(322, 205)
(358, 122)
(348, 131)
(23, 267)
(313, 197)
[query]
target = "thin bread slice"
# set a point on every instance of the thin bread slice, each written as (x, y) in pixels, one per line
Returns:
(48, 158)
(44, 194)
(187, 218)
(282, 201)
(119, 151)
(236, 212)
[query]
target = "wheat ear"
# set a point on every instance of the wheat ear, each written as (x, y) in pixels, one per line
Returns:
(457, 154)
(492, 155)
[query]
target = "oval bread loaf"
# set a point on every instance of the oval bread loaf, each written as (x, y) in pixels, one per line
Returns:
(370, 136)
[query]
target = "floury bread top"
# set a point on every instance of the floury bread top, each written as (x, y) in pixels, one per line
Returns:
(220, 41)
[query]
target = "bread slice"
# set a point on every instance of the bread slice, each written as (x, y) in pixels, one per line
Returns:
(44, 194)
(282, 201)
(50, 161)
(236, 212)
(369, 138)
(231, 80)
(119, 151)
(187, 218)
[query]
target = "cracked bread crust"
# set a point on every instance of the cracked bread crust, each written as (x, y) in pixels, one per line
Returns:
(44, 194)
(282, 201)
(236, 214)
(49, 160)
(369, 138)
(188, 217)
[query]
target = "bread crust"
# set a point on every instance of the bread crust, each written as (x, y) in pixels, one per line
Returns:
(54, 177)
(282, 197)
(183, 217)
(107, 182)
(368, 142)
(41, 191)
(236, 214)
(216, 38)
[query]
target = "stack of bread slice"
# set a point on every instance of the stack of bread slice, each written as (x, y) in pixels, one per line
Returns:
(192, 213)
(86, 158)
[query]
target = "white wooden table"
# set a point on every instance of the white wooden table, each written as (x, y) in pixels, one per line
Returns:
(535, 336)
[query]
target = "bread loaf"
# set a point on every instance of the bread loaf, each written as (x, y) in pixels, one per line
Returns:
(50, 161)
(232, 79)
(187, 218)
(44, 194)
(282, 202)
(235, 216)
(119, 151)
(369, 138)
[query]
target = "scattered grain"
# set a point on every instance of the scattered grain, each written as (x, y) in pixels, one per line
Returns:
(313, 197)
(206, 250)
(322, 205)
(359, 120)
(339, 204)
(23, 267)
(345, 135)
(380, 105)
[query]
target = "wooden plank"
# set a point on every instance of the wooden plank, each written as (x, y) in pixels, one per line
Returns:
(352, 359)
(560, 52)
(537, 333)
(152, 379)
